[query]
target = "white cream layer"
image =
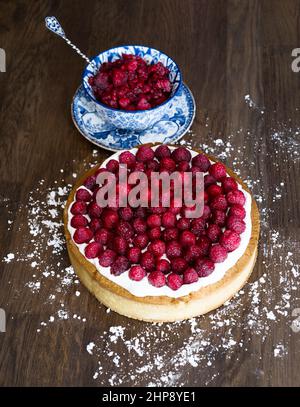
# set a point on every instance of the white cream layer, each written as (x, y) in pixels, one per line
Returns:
(143, 288)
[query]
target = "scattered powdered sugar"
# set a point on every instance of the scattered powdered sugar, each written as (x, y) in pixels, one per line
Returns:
(90, 347)
(167, 354)
(9, 257)
(249, 101)
(279, 351)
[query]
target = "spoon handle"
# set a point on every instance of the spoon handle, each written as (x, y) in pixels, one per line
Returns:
(53, 25)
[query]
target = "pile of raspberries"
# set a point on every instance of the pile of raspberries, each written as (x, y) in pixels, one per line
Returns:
(161, 244)
(129, 83)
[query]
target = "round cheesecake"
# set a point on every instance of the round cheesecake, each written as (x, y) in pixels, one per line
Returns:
(182, 294)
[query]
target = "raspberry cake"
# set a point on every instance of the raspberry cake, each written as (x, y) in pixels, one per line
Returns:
(156, 264)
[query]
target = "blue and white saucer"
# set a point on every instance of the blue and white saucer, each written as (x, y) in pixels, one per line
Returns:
(172, 126)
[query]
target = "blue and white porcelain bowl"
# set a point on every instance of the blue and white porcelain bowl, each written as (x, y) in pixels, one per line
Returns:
(136, 120)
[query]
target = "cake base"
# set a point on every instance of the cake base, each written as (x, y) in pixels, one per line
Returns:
(163, 308)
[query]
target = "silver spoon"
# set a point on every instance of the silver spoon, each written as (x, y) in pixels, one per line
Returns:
(53, 25)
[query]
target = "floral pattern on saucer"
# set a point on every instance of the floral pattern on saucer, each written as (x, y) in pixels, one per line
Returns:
(169, 129)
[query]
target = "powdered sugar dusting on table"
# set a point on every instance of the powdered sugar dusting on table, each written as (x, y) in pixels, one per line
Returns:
(143, 353)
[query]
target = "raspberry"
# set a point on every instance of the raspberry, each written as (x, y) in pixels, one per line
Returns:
(236, 224)
(134, 254)
(137, 273)
(95, 191)
(238, 211)
(120, 265)
(236, 197)
(127, 158)
(162, 151)
(168, 220)
(110, 219)
(139, 225)
(204, 244)
(204, 267)
(119, 77)
(147, 261)
(208, 180)
(157, 279)
(124, 103)
(178, 265)
(140, 212)
(229, 184)
(141, 240)
(101, 80)
(175, 209)
(103, 236)
(163, 265)
(78, 221)
(120, 244)
(83, 195)
(153, 165)
(143, 104)
(154, 233)
(168, 164)
(112, 166)
(94, 210)
(126, 213)
(164, 84)
(214, 190)
(187, 238)
(219, 218)
(181, 154)
(190, 276)
(90, 182)
(219, 203)
(170, 234)
(157, 210)
(173, 249)
(217, 253)
(157, 247)
(92, 250)
(79, 208)
(125, 229)
(95, 224)
(194, 170)
(205, 197)
(192, 253)
(183, 223)
(153, 221)
(197, 226)
(82, 235)
(144, 154)
(202, 162)
(183, 166)
(139, 167)
(132, 65)
(213, 232)
(206, 212)
(217, 170)
(107, 258)
(230, 240)
(174, 281)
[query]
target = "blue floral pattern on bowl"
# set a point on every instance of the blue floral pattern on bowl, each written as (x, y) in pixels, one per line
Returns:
(139, 119)
(174, 123)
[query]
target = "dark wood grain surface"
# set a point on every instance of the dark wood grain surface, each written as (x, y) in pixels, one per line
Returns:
(226, 50)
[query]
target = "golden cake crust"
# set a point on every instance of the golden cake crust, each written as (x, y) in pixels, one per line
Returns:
(164, 308)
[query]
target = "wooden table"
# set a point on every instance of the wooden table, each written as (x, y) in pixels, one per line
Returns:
(226, 50)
